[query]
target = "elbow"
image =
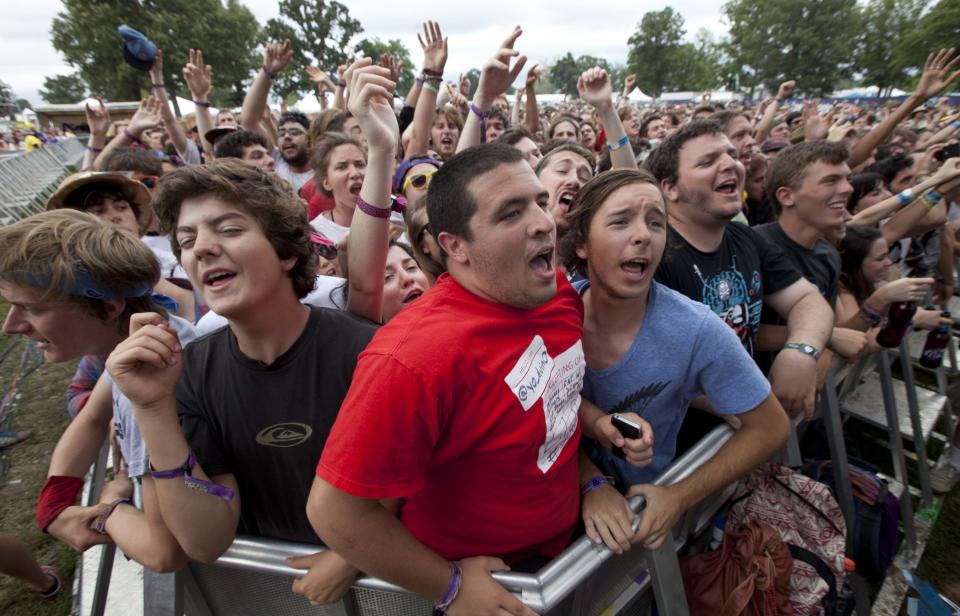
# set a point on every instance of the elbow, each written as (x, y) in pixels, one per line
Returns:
(208, 551)
(167, 560)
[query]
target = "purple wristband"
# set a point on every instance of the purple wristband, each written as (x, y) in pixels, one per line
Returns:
(99, 524)
(397, 204)
(264, 68)
(453, 588)
(207, 487)
(131, 136)
(592, 484)
(483, 121)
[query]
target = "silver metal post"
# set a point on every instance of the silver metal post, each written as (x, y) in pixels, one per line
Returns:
(919, 443)
(896, 449)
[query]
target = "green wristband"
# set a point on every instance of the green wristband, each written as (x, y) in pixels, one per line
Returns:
(804, 348)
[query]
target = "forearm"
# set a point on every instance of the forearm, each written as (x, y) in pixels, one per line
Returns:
(589, 414)
(763, 127)
(622, 157)
(372, 539)
(864, 147)
(762, 432)
(914, 219)
(339, 100)
(177, 136)
(424, 112)
(810, 321)
(186, 308)
(204, 124)
(77, 449)
(255, 102)
(770, 337)
(95, 145)
(368, 240)
(531, 114)
(470, 135)
(120, 140)
(203, 524)
(515, 111)
(413, 96)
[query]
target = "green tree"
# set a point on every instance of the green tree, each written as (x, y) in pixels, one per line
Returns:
(372, 48)
(86, 34)
(655, 50)
(23, 103)
(566, 70)
(805, 40)
(63, 89)
(883, 23)
(320, 31)
(937, 29)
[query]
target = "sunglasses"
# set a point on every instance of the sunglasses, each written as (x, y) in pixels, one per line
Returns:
(419, 180)
(150, 181)
(423, 231)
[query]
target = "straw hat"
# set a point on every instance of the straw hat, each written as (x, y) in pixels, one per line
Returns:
(136, 192)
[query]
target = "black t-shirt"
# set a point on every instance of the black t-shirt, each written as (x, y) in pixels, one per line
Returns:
(268, 424)
(731, 280)
(820, 265)
(759, 212)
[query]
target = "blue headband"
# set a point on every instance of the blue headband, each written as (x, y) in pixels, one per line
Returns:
(85, 285)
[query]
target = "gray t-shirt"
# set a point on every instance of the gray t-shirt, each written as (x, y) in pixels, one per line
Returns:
(683, 350)
(132, 447)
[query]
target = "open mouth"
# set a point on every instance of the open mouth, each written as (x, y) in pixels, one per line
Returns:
(838, 205)
(727, 188)
(355, 188)
(412, 295)
(542, 263)
(218, 278)
(635, 268)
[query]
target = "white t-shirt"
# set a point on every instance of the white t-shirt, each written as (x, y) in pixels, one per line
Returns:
(329, 229)
(169, 266)
(327, 293)
(285, 171)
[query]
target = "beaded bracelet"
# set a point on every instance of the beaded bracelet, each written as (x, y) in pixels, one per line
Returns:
(613, 147)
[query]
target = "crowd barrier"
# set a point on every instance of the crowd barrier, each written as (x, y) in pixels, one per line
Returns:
(252, 576)
(28, 179)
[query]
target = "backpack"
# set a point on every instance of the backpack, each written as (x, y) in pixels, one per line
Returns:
(876, 514)
(809, 521)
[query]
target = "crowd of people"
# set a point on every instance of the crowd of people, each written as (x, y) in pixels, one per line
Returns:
(410, 331)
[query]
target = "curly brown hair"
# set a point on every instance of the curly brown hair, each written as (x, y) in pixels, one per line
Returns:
(281, 216)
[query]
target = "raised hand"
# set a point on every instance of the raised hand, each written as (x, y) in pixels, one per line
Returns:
(371, 103)
(785, 89)
(394, 66)
(146, 366)
(277, 56)
(455, 97)
(594, 87)
(198, 76)
(465, 85)
(937, 73)
(948, 170)
(156, 71)
(146, 117)
(814, 127)
(533, 76)
(629, 84)
(319, 77)
(98, 119)
(434, 46)
(497, 75)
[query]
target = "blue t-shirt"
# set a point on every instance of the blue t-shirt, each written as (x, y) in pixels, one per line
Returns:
(683, 350)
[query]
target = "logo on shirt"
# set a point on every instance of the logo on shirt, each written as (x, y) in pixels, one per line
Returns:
(288, 434)
(738, 304)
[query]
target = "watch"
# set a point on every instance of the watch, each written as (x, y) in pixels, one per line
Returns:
(804, 348)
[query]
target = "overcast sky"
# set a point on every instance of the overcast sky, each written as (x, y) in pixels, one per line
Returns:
(551, 28)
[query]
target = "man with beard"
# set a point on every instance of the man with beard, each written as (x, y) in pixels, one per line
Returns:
(730, 267)
(291, 154)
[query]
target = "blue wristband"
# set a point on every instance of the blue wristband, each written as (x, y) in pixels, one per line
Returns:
(619, 144)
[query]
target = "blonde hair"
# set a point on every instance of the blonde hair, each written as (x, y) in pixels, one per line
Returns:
(74, 256)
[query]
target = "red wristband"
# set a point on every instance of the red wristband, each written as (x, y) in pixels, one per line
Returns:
(58, 493)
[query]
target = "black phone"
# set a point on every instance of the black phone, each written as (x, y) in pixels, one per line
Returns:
(628, 429)
(951, 151)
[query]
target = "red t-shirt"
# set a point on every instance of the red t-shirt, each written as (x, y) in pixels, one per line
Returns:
(468, 409)
(317, 202)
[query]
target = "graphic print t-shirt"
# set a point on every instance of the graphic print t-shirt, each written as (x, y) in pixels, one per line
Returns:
(468, 409)
(732, 280)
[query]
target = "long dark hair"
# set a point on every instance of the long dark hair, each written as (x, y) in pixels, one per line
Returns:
(863, 184)
(854, 249)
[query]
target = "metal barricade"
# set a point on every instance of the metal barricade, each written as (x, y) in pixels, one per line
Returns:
(27, 180)
(252, 576)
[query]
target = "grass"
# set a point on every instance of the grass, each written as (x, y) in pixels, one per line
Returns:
(42, 409)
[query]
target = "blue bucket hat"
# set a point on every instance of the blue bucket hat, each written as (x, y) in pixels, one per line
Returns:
(404, 168)
(138, 50)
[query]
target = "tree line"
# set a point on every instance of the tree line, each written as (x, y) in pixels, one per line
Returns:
(823, 45)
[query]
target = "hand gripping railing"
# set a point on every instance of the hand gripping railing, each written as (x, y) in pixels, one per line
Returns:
(568, 584)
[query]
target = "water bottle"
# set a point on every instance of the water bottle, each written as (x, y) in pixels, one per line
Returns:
(896, 324)
(937, 341)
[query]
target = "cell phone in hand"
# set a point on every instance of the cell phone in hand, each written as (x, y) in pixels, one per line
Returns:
(951, 151)
(627, 429)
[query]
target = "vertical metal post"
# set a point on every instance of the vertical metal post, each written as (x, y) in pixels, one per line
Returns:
(919, 443)
(896, 449)
(666, 579)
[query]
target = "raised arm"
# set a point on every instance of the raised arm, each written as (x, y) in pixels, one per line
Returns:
(594, 88)
(763, 127)
(170, 122)
(927, 210)
(495, 78)
(147, 116)
(98, 120)
(276, 57)
(371, 103)
(322, 82)
(531, 113)
(199, 81)
(936, 77)
(434, 46)
(339, 102)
